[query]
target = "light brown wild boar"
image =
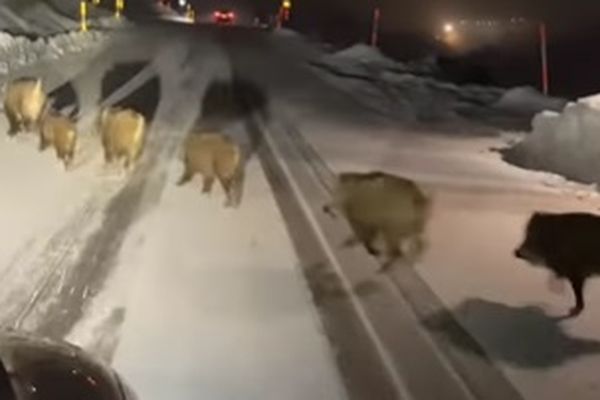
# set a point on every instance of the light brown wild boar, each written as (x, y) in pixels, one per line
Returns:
(24, 102)
(122, 131)
(60, 132)
(380, 206)
(214, 155)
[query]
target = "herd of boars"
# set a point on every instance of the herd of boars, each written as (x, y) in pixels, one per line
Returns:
(122, 133)
(388, 214)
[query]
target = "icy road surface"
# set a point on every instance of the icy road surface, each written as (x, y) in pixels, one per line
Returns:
(186, 297)
(190, 300)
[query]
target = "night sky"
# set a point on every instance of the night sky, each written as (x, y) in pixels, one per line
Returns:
(573, 28)
(424, 14)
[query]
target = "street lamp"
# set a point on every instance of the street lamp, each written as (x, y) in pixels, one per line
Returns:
(448, 27)
(284, 12)
(544, 57)
(375, 27)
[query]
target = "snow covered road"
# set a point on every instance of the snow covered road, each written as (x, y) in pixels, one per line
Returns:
(134, 274)
(481, 205)
(190, 299)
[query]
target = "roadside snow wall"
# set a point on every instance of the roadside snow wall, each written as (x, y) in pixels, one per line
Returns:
(566, 143)
(18, 51)
(410, 92)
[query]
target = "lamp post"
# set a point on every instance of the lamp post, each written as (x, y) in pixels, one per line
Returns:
(375, 27)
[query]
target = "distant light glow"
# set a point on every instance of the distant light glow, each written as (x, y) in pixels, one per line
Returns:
(182, 3)
(448, 28)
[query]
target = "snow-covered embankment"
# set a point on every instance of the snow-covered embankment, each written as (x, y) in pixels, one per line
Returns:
(566, 143)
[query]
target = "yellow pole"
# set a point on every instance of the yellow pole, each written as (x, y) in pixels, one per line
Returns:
(83, 14)
(119, 6)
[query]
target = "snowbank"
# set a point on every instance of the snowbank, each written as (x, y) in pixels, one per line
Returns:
(365, 56)
(43, 18)
(17, 51)
(529, 100)
(410, 91)
(567, 144)
(362, 53)
(592, 101)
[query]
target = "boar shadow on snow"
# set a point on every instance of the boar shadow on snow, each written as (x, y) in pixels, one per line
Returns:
(522, 336)
(143, 98)
(326, 286)
(227, 102)
(64, 99)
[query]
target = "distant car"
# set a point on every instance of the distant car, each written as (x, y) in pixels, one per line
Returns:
(224, 17)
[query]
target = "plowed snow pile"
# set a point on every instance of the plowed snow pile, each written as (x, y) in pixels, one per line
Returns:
(411, 92)
(17, 51)
(566, 143)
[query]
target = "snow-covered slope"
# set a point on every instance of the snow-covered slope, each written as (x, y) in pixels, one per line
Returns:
(17, 51)
(43, 17)
(565, 143)
(410, 92)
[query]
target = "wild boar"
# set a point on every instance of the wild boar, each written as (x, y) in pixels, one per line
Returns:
(123, 132)
(382, 206)
(214, 155)
(568, 245)
(61, 132)
(24, 101)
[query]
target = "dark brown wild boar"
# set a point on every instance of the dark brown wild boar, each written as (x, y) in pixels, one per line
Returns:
(568, 245)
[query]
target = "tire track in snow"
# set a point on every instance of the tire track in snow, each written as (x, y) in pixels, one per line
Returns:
(60, 309)
(78, 259)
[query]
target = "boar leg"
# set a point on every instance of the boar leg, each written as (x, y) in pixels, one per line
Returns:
(365, 235)
(67, 159)
(577, 283)
(13, 124)
(30, 125)
(129, 159)
(393, 251)
(186, 177)
(227, 184)
(207, 184)
(43, 143)
(108, 156)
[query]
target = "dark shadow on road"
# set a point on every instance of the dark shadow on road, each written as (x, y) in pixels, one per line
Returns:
(522, 336)
(64, 99)
(143, 99)
(326, 285)
(230, 101)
